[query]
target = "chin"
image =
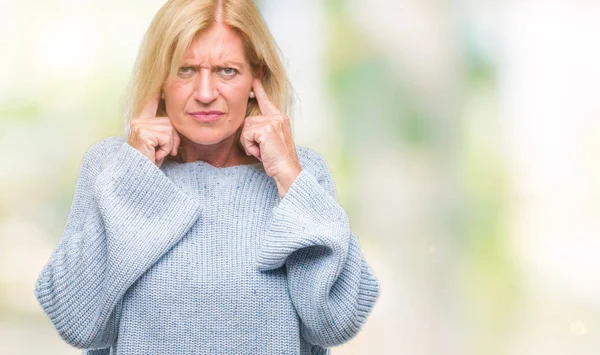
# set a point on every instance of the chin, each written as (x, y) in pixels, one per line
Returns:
(207, 138)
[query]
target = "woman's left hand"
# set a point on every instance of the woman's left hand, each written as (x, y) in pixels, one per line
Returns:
(268, 137)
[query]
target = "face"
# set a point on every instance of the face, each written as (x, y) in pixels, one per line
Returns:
(206, 100)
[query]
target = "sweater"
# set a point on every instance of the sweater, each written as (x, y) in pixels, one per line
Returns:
(190, 258)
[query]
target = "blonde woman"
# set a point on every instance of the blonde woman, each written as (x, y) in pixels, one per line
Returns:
(205, 229)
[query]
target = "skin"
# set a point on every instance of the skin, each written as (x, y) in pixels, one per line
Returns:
(216, 75)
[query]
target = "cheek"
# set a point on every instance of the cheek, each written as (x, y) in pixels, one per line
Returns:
(236, 95)
(179, 88)
(177, 94)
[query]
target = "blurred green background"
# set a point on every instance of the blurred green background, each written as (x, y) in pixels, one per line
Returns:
(463, 136)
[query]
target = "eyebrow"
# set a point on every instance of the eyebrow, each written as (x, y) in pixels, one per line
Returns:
(225, 63)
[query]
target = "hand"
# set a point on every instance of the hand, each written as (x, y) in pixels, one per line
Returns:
(268, 137)
(155, 137)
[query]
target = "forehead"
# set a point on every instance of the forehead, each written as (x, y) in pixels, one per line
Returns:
(219, 42)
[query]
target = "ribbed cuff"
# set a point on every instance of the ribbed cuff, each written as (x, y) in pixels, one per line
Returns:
(368, 293)
(306, 216)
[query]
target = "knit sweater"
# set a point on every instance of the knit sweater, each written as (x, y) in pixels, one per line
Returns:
(190, 258)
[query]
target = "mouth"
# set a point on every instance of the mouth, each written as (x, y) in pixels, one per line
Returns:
(207, 116)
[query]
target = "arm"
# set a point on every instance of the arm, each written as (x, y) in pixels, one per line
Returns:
(331, 285)
(124, 216)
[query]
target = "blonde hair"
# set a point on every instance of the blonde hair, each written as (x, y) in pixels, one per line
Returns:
(172, 31)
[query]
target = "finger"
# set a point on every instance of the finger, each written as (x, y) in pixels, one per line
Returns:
(248, 142)
(253, 126)
(159, 162)
(164, 146)
(154, 124)
(176, 142)
(266, 106)
(252, 121)
(252, 148)
(150, 109)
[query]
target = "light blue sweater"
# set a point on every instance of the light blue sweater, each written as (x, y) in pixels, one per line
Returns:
(194, 259)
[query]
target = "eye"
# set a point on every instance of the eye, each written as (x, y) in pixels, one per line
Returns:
(227, 72)
(185, 71)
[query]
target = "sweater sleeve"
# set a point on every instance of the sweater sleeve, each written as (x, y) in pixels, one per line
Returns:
(331, 285)
(124, 216)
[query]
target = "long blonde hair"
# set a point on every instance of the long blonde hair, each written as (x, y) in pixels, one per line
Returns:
(172, 31)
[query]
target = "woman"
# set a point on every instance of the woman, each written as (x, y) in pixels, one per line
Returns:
(206, 230)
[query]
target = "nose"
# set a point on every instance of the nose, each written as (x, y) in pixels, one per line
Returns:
(205, 87)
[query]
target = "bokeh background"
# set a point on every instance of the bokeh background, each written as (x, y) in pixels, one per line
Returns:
(463, 136)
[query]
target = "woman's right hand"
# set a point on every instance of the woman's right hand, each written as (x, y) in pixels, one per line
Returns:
(153, 136)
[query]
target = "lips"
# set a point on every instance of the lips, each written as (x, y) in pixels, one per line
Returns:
(206, 116)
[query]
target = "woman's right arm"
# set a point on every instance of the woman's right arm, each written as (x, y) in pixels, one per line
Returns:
(124, 216)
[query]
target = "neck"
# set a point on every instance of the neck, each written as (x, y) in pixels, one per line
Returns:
(223, 154)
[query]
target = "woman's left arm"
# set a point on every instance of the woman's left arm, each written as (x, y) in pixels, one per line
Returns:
(331, 285)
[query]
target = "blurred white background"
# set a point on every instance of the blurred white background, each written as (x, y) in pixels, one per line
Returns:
(464, 138)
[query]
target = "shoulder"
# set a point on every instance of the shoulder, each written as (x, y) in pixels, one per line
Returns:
(101, 151)
(312, 161)
(95, 159)
(106, 145)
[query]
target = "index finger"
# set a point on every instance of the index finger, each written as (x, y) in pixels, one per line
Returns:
(150, 109)
(266, 106)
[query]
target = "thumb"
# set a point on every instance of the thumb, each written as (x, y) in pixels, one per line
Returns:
(159, 162)
(161, 153)
(176, 140)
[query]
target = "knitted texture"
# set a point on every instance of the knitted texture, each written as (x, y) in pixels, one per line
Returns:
(190, 258)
